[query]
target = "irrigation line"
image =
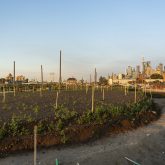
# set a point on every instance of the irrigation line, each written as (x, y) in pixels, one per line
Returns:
(132, 161)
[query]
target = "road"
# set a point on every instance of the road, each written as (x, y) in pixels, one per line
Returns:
(145, 145)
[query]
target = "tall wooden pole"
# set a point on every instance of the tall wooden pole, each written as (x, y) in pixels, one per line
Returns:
(93, 97)
(41, 76)
(60, 79)
(14, 74)
(95, 77)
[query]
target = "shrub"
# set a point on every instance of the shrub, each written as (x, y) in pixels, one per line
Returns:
(3, 131)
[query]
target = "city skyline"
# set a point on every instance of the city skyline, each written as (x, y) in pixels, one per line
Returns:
(131, 72)
(107, 35)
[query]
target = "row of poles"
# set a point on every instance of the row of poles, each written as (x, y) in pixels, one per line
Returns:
(126, 89)
(93, 92)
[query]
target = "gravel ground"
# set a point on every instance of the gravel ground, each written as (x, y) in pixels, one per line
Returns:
(145, 145)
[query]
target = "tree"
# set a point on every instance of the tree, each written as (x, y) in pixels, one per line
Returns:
(103, 81)
(156, 76)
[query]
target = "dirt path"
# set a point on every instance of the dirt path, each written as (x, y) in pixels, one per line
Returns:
(145, 145)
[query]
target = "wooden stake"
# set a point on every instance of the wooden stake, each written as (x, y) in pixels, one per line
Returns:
(93, 93)
(86, 89)
(150, 92)
(40, 92)
(35, 145)
(135, 93)
(145, 90)
(57, 100)
(103, 94)
(14, 91)
(4, 95)
(33, 89)
(125, 90)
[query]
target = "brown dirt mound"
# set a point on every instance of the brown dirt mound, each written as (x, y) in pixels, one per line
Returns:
(75, 134)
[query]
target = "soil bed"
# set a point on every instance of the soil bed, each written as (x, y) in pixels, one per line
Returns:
(77, 127)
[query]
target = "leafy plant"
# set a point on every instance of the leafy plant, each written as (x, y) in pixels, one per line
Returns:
(3, 131)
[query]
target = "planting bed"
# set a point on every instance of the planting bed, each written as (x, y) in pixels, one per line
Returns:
(72, 121)
(29, 104)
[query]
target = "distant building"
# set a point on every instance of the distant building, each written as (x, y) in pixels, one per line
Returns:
(159, 69)
(2, 81)
(20, 78)
(145, 64)
(120, 76)
(110, 81)
(120, 82)
(149, 71)
(137, 72)
(72, 81)
(114, 76)
(130, 72)
(9, 78)
(163, 76)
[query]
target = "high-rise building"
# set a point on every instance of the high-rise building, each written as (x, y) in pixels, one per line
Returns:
(132, 72)
(137, 71)
(129, 72)
(145, 65)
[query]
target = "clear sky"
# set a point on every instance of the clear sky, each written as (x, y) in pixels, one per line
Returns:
(106, 34)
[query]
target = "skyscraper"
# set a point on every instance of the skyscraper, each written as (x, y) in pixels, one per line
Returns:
(146, 68)
(137, 71)
(129, 71)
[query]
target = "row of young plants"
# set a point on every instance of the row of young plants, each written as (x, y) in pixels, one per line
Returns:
(64, 118)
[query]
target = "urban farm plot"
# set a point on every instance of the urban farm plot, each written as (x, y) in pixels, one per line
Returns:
(66, 116)
(29, 104)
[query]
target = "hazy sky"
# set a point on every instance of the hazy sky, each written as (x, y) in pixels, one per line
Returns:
(106, 34)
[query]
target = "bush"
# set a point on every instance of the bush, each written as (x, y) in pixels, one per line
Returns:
(3, 131)
(103, 113)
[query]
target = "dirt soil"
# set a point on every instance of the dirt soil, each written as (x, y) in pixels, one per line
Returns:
(145, 145)
(25, 103)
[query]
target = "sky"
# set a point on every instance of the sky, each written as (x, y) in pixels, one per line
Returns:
(105, 34)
